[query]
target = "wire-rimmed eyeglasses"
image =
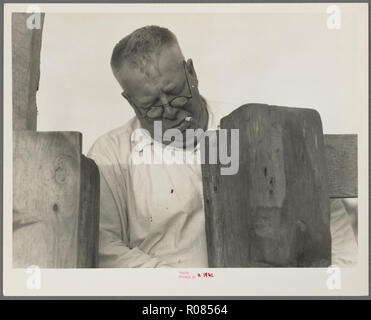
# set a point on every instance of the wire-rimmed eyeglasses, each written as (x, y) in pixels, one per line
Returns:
(154, 112)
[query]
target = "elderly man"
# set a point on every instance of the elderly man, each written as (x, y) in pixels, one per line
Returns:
(152, 215)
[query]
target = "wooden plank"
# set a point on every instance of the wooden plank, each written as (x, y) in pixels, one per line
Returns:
(46, 176)
(55, 201)
(88, 232)
(275, 212)
(26, 46)
(214, 217)
(341, 157)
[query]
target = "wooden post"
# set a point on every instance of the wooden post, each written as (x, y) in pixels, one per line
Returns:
(55, 188)
(26, 45)
(55, 201)
(342, 167)
(88, 232)
(275, 211)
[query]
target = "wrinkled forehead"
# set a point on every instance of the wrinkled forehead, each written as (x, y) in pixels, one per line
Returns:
(156, 69)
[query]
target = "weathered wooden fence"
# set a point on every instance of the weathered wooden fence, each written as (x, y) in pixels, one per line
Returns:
(55, 188)
(275, 212)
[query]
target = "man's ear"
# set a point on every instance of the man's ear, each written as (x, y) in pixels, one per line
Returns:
(191, 70)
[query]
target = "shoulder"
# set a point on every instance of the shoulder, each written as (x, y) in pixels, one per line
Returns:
(114, 145)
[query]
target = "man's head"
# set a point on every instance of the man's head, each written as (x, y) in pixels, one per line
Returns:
(156, 80)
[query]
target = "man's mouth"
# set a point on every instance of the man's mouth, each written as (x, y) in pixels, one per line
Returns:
(184, 124)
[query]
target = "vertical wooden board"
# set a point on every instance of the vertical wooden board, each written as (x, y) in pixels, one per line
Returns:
(307, 187)
(341, 157)
(88, 228)
(26, 46)
(214, 235)
(46, 195)
(275, 210)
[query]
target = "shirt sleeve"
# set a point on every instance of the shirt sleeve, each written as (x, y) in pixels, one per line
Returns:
(344, 244)
(114, 250)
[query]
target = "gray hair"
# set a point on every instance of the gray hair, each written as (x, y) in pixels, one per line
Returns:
(138, 46)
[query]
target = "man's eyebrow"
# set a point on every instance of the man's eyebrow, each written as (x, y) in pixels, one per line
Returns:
(170, 87)
(175, 87)
(146, 102)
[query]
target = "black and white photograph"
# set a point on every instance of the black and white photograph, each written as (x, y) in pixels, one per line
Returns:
(186, 149)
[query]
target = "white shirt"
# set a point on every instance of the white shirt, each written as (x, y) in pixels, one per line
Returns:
(153, 215)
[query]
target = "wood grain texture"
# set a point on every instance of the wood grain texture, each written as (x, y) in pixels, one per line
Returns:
(54, 219)
(26, 46)
(88, 231)
(275, 211)
(342, 168)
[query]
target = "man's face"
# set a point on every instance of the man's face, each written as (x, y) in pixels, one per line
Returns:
(164, 89)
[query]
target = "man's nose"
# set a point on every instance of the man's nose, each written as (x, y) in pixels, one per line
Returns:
(169, 112)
